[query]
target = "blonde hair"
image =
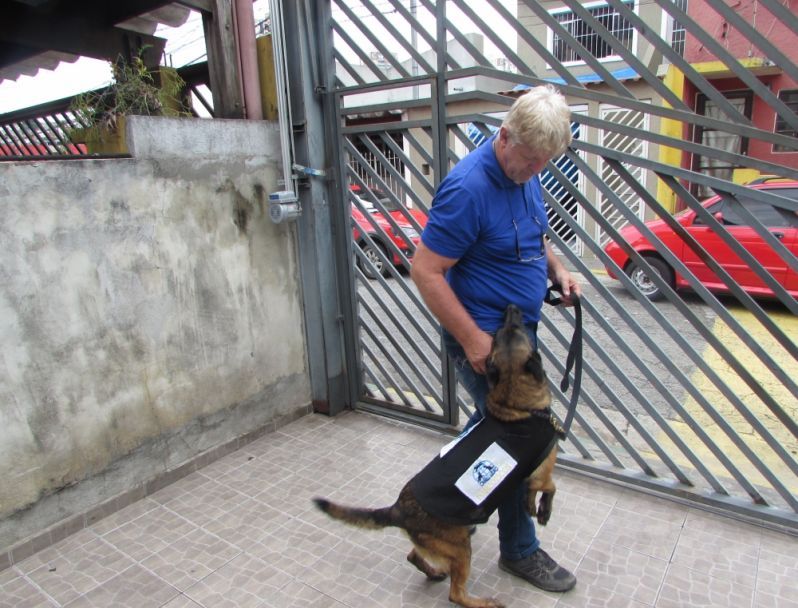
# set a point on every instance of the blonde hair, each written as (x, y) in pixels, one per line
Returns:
(540, 119)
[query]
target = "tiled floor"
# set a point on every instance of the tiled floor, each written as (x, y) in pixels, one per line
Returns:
(243, 532)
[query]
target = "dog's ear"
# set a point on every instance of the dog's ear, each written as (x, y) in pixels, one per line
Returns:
(534, 365)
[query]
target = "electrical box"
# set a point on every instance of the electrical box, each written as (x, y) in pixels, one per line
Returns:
(283, 206)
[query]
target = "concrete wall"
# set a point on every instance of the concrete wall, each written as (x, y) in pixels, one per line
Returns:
(149, 312)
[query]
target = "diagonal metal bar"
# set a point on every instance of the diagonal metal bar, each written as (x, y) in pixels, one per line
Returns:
(587, 398)
(388, 166)
(631, 104)
(710, 261)
(719, 51)
(733, 362)
(493, 37)
(536, 45)
(377, 179)
(689, 146)
(752, 306)
(677, 60)
(398, 37)
(386, 373)
(376, 363)
(416, 26)
(341, 60)
(388, 336)
(755, 37)
(417, 176)
(411, 319)
(578, 48)
(420, 353)
(642, 70)
(364, 57)
(633, 420)
(671, 367)
(620, 343)
(378, 44)
(782, 13)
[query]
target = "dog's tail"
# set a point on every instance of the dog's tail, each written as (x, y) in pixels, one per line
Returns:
(373, 519)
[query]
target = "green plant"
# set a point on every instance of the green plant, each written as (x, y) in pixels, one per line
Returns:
(133, 91)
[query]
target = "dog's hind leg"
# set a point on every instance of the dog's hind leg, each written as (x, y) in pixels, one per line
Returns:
(459, 569)
(433, 574)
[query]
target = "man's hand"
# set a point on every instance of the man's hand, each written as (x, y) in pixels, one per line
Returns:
(570, 287)
(560, 275)
(477, 351)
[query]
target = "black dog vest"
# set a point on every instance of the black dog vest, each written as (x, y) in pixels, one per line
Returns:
(471, 476)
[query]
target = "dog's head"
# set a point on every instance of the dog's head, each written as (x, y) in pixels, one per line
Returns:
(516, 381)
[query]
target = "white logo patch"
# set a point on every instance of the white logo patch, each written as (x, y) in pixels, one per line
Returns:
(486, 473)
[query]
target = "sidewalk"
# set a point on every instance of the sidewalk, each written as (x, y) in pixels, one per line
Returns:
(242, 532)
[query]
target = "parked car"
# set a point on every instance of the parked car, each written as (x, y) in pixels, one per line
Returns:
(781, 223)
(385, 235)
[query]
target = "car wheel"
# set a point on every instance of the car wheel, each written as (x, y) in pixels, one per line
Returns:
(373, 264)
(642, 281)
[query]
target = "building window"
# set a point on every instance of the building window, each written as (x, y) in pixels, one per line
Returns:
(587, 36)
(716, 139)
(678, 33)
(790, 99)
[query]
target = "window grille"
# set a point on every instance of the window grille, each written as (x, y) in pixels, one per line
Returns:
(678, 33)
(620, 28)
(790, 99)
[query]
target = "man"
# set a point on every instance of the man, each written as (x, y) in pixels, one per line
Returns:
(483, 248)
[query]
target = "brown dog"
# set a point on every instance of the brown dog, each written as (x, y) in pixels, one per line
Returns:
(461, 486)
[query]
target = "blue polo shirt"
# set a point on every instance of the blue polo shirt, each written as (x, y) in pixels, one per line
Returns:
(471, 220)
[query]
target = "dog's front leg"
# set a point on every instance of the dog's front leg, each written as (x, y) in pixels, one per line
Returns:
(542, 480)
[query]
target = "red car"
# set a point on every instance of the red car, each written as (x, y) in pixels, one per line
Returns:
(781, 223)
(384, 235)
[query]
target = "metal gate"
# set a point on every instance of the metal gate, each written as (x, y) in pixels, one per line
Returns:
(694, 395)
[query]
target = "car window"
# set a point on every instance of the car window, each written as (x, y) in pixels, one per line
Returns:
(768, 215)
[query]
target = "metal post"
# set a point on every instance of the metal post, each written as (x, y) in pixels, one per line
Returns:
(317, 256)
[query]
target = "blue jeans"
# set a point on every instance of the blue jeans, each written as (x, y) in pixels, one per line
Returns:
(517, 538)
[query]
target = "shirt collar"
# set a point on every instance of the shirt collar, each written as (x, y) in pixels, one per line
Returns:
(492, 166)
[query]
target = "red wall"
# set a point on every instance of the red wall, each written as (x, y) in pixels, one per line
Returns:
(777, 33)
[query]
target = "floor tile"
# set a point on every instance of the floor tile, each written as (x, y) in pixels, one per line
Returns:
(146, 536)
(777, 571)
(625, 573)
(243, 582)
(246, 523)
(18, 592)
(191, 558)
(718, 547)
(181, 601)
(644, 534)
(298, 595)
(684, 587)
(79, 570)
(136, 587)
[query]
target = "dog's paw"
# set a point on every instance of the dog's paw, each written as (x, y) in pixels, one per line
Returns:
(544, 508)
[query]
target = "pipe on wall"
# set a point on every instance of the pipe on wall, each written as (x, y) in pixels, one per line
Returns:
(248, 58)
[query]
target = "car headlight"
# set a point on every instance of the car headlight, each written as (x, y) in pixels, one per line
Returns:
(410, 233)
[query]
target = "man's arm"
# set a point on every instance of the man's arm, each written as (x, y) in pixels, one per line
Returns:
(429, 274)
(560, 275)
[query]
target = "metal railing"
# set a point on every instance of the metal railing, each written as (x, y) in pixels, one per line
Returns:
(52, 130)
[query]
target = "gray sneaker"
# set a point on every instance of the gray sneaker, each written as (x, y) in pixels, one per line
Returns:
(540, 570)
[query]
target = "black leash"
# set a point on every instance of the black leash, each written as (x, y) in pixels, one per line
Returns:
(574, 360)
